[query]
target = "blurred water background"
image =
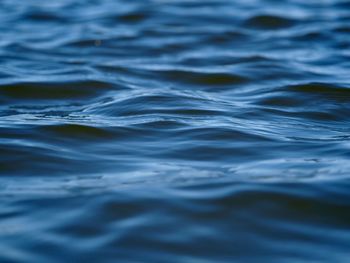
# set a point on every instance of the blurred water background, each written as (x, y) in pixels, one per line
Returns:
(174, 131)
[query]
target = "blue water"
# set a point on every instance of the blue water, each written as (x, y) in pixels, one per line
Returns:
(174, 131)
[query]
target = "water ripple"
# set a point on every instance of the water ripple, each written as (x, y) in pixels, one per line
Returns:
(174, 131)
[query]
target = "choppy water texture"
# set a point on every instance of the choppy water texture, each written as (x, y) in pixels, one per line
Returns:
(174, 131)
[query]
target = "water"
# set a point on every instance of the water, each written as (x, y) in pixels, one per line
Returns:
(174, 131)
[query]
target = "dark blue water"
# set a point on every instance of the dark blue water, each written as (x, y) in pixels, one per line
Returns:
(174, 131)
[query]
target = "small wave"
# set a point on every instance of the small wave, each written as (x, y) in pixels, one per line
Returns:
(203, 78)
(54, 90)
(323, 90)
(269, 22)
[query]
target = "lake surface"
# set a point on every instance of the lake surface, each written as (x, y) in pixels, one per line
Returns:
(174, 131)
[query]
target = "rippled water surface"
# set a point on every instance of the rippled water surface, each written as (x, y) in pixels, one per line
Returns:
(174, 131)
